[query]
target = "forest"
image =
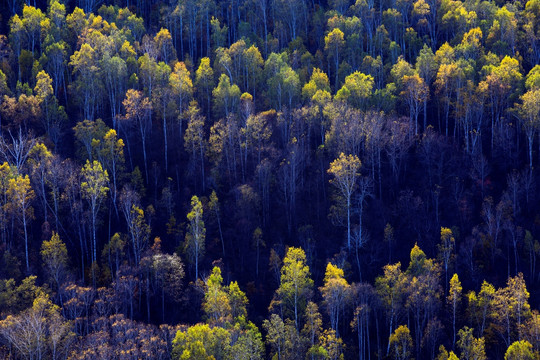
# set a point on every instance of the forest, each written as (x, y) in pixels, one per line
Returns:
(269, 179)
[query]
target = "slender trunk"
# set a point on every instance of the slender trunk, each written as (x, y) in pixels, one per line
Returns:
(390, 330)
(165, 142)
(25, 241)
(144, 157)
(148, 297)
(162, 303)
(454, 320)
(359, 330)
(349, 221)
(296, 309)
(94, 248)
(201, 150)
(221, 235)
(530, 151)
(358, 263)
(82, 255)
(257, 268)
(196, 262)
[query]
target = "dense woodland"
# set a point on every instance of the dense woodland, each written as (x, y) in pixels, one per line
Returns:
(269, 179)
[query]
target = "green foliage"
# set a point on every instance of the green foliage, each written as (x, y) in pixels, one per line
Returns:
(335, 292)
(54, 255)
(356, 90)
(88, 133)
(264, 102)
(196, 234)
(401, 343)
(226, 96)
(471, 347)
(521, 350)
(295, 284)
(202, 342)
(16, 298)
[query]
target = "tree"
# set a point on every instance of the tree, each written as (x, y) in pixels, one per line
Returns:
(196, 234)
(219, 33)
(139, 232)
(274, 69)
(168, 272)
(32, 21)
(295, 285)
(334, 43)
(18, 150)
(164, 46)
(238, 301)
(201, 342)
(331, 345)
(427, 69)
(162, 102)
(401, 343)
(390, 289)
(94, 189)
(415, 92)
(38, 330)
(422, 290)
(148, 69)
(519, 350)
(444, 355)
(276, 335)
(529, 112)
(290, 83)
(444, 84)
(224, 58)
(182, 87)
(520, 307)
(115, 75)
(204, 81)
(454, 298)
(471, 347)
(138, 110)
(84, 63)
(253, 62)
(258, 242)
(501, 83)
(111, 156)
(21, 195)
(214, 206)
(113, 251)
(293, 15)
(249, 344)
(357, 89)
(4, 89)
(532, 80)
(216, 305)
(226, 96)
(334, 292)
(318, 81)
(55, 56)
(194, 140)
(312, 325)
(55, 257)
(44, 93)
(16, 34)
(289, 176)
(259, 130)
(345, 170)
(86, 134)
(480, 306)
(6, 172)
(446, 247)
(40, 161)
